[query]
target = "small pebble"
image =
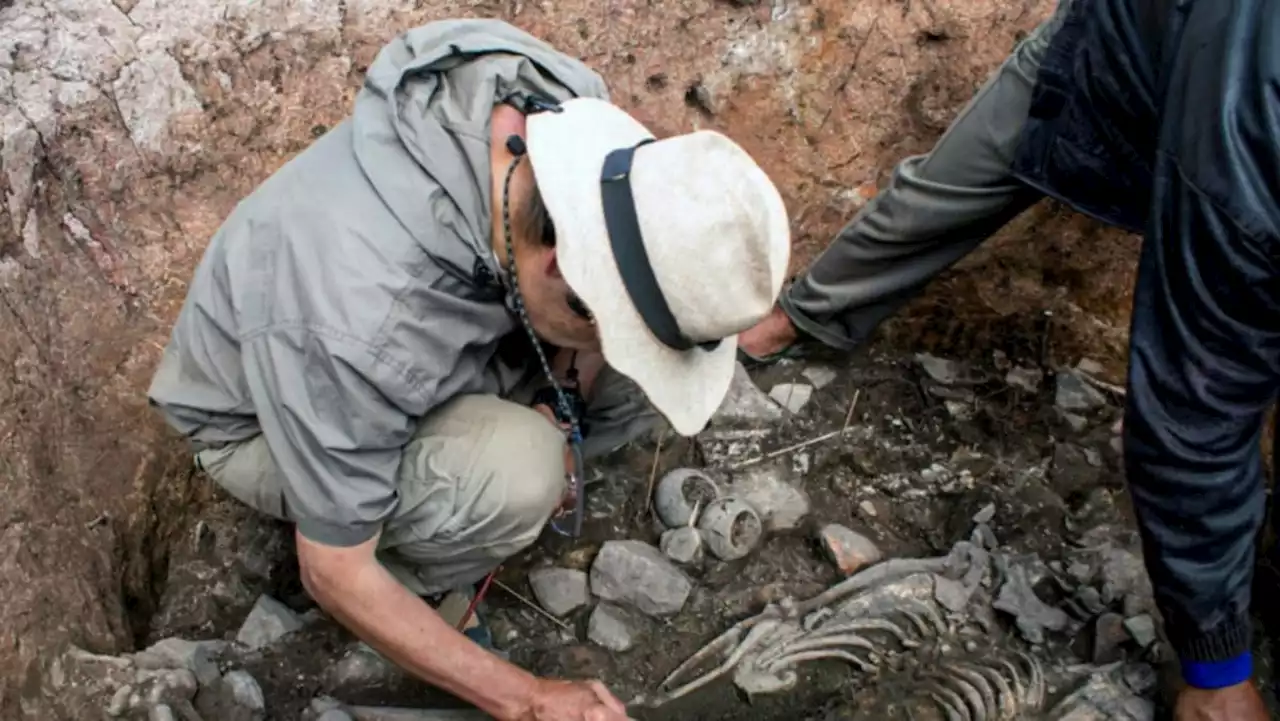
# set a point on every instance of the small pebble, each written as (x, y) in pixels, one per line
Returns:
(868, 508)
(608, 627)
(1028, 379)
(682, 545)
(971, 646)
(268, 621)
(1142, 629)
(559, 590)
(792, 396)
(849, 550)
(986, 514)
(820, 377)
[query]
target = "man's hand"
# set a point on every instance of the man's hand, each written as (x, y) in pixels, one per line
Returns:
(575, 701)
(359, 593)
(1241, 702)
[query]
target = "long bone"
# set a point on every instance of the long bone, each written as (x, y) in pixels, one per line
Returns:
(988, 694)
(756, 637)
(967, 692)
(1007, 699)
(949, 701)
(817, 655)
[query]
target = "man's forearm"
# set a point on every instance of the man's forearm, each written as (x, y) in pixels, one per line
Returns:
(370, 603)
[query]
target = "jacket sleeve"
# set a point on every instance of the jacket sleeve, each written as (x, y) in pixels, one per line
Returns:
(1203, 371)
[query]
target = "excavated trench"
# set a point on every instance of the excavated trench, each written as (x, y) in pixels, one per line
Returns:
(930, 445)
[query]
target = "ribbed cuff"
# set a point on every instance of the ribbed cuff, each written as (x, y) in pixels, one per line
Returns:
(1218, 674)
(1228, 640)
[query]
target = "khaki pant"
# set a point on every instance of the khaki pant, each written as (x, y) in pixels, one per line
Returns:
(477, 483)
(937, 209)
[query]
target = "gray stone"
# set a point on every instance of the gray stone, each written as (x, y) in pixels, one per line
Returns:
(1080, 571)
(1072, 468)
(1108, 636)
(1142, 629)
(335, 714)
(638, 575)
(161, 713)
(682, 545)
(744, 401)
(1027, 379)
(608, 627)
(781, 506)
(1090, 366)
(820, 377)
(268, 622)
(235, 697)
(360, 668)
(1090, 599)
(199, 657)
(1074, 394)
(1075, 422)
(1031, 615)
(559, 590)
(1123, 573)
(792, 396)
(986, 514)
(868, 508)
(951, 594)
(941, 370)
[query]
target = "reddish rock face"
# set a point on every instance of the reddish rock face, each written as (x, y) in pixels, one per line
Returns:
(131, 129)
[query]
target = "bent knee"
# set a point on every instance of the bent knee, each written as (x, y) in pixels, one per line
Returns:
(510, 463)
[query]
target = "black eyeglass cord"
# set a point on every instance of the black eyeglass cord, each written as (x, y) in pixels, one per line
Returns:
(562, 398)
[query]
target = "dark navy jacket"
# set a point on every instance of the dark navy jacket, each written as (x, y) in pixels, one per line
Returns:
(1163, 116)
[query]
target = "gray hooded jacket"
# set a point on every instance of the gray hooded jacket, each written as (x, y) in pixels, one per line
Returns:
(355, 289)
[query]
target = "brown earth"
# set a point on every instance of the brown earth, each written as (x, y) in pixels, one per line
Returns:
(130, 129)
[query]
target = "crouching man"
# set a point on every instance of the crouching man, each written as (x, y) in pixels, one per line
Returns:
(404, 339)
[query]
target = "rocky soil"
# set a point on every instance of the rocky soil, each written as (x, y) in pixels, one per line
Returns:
(888, 457)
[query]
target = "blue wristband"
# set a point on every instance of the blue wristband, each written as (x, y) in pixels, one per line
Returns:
(1218, 674)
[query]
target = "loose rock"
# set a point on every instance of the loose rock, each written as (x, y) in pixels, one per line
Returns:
(360, 668)
(781, 506)
(1076, 423)
(1142, 629)
(792, 396)
(161, 713)
(744, 401)
(985, 515)
(868, 508)
(1032, 615)
(199, 657)
(941, 370)
(1028, 379)
(682, 545)
(1075, 394)
(951, 594)
(637, 574)
(1123, 573)
(268, 622)
(820, 377)
(235, 697)
(335, 714)
(1108, 636)
(559, 590)
(608, 627)
(849, 550)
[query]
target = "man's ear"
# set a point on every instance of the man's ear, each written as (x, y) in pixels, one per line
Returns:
(550, 264)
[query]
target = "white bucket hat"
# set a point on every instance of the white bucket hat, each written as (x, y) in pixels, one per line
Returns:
(710, 223)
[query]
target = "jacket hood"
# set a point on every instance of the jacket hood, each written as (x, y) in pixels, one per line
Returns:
(421, 125)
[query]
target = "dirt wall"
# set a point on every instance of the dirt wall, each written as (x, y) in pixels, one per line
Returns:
(130, 129)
